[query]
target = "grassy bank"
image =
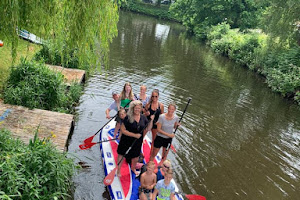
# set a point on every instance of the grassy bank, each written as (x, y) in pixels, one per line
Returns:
(279, 65)
(25, 49)
(34, 171)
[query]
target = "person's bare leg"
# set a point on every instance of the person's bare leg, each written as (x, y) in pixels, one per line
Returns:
(154, 153)
(116, 129)
(143, 196)
(164, 156)
(154, 132)
(133, 164)
(119, 166)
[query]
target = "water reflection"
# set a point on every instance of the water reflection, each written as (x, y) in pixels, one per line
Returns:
(238, 140)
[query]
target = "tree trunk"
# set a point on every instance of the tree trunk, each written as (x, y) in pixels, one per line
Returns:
(158, 3)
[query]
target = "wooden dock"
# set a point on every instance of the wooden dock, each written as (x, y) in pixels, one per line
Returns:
(70, 75)
(23, 123)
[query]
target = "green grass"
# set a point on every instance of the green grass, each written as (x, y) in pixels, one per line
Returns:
(34, 171)
(25, 49)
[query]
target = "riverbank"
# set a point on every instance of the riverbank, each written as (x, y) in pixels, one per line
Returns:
(149, 9)
(279, 66)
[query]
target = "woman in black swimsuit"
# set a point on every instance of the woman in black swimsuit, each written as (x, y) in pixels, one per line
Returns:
(154, 106)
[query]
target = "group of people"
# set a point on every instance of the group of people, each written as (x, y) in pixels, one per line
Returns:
(138, 114)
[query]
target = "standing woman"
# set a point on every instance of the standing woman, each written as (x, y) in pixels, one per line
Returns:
(143, 97)
(165, 125)
(154, 107)
(126, 95)
(132, 127)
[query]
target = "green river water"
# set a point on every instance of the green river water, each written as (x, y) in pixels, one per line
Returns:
(238, 140)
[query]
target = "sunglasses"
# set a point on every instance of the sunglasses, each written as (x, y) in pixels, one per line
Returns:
(155, 96)
(166, 166)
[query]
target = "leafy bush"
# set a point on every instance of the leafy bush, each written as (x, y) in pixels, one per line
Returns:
(282, 69)
(34, 171)
(34, 85)
(51, 55)
(217, 32)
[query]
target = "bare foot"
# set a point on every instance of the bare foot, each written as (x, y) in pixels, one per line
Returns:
(119, 173)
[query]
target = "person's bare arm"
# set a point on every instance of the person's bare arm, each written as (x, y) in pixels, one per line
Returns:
(172, 196)
(153, 182)
(155, 194)
(107, 113)
(162, 108)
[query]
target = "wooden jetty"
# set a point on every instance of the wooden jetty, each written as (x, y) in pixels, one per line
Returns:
(23, 123)
(70, 74)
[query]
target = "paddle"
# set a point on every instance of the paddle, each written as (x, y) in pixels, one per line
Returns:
(192, 196)
(90, 139)
(110, 177)
(189, 100)
(89, 145)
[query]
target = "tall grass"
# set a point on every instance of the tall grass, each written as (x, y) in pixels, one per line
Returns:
(34, 171)
(25, 49)
(34, 85)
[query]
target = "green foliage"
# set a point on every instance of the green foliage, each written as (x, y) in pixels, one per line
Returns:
(34, 85)
(87, 26)
(34, 171)
(240, 47)
(280, 66)
(52, 56)
(280, 20)
(282, 69)
(197, 15)
(161, 12)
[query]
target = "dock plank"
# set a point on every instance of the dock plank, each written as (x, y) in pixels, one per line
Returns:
(70, 74)
(23, 123)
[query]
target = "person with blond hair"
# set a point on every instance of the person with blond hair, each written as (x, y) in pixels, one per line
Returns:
(148, 181)
(143, 97)
(165, 189)
(166, 124)
(154, 107)
(134, 127)
(126, 95)
(161, 171)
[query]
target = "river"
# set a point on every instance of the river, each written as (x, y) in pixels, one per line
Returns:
(238, 140)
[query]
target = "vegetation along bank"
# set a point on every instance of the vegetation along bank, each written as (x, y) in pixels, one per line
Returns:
(261, 35)
(75, 34)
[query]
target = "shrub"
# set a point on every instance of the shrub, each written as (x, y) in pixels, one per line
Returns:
(282, 69)
(34, 85)
(34, 171)
(50, 55)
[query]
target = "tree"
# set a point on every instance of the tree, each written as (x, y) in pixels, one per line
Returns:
(85, 26)
(282, 20)
(200, 14)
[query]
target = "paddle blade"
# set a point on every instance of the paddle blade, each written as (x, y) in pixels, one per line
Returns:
(110, 177)
(88, 140)
(86, 146)
(173, 148)
(195, 197)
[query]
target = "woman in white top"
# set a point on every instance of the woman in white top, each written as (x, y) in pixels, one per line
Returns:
(166, 123)
(143, 97)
